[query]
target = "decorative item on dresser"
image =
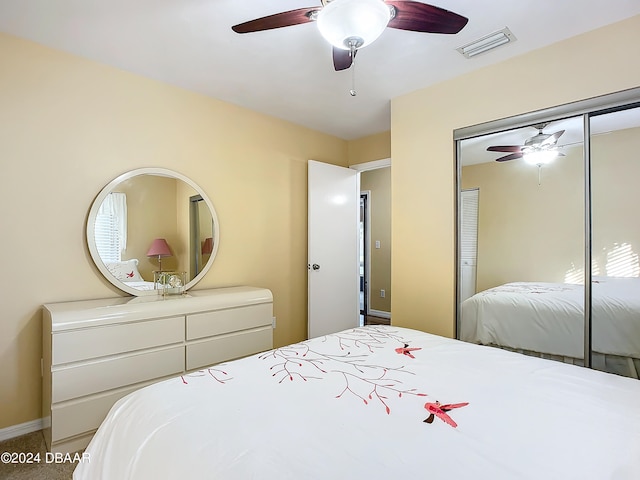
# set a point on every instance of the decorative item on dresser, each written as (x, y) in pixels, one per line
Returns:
(97, 351)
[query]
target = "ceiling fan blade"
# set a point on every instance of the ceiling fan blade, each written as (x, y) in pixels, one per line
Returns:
(553, 138)
(506, 158)
(505, 148)
(421, 17)
(342, 58)
(284, 19)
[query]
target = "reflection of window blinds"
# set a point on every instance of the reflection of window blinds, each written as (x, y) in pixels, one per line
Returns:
(106, 235)
(469, 226)
(110, 227)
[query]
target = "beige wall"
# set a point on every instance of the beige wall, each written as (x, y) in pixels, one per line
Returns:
(69, 126)
(422, 178)
(368, 149)
(378, 182)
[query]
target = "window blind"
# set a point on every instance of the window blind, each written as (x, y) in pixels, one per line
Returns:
(469, 227)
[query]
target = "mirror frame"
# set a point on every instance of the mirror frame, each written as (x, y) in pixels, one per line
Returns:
(91, 221)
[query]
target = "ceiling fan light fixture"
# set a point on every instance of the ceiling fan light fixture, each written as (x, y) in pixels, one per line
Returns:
(343, 22)
(540, 157)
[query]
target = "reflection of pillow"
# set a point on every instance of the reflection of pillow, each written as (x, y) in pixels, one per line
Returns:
(125, 271)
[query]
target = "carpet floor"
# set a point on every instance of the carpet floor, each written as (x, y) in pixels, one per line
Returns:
(28, 460)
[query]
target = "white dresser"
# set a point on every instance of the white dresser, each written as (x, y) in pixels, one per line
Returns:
(97, 351)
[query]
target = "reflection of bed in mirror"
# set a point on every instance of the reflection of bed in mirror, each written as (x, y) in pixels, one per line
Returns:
(127, 272)
(547, 319)
(144, 285)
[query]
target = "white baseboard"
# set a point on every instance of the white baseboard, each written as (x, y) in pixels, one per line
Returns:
(379, 313)
(21, 429)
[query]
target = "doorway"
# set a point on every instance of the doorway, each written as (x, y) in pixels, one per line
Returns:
(375, 242)
(364, 256)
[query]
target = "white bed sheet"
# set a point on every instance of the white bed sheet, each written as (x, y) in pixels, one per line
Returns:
(347, 406)
(549, 317)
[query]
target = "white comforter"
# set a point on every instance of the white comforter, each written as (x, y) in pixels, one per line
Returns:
(549, 317)
(351, 406)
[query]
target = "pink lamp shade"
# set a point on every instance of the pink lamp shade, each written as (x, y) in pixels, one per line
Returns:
(159, 248)
(207, 246)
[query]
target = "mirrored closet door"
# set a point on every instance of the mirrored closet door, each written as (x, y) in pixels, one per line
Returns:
(615, 199)
(555, 193)
(529, 268)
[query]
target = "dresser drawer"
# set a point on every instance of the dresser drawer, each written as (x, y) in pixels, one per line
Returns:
(84, 344)
(208, 324)
(102, 375)
(76, 417)
(227, 347)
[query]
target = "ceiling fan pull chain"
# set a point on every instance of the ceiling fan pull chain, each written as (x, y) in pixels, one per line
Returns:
(539, 173)
(352, 92)
(352, 46)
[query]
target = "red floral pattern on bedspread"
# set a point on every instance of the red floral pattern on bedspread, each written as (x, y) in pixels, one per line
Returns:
(370, 382)
(349, 361)
(218, 375)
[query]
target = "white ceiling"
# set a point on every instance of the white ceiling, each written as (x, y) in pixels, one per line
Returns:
(288, 72)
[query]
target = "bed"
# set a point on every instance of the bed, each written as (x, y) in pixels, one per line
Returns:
(548, 319)
(375, 402)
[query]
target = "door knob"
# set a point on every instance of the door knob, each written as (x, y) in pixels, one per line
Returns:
(315, 266)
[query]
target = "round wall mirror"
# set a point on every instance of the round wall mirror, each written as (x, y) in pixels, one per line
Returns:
(150, 227)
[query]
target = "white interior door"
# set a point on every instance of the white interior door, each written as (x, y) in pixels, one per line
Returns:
(333, 237)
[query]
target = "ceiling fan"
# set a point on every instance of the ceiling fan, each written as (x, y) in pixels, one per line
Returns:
(352, 24)
(538, 150)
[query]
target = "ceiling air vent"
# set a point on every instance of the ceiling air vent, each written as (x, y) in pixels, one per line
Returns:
(486, 43)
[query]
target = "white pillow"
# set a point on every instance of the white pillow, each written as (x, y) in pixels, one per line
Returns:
(125, 271)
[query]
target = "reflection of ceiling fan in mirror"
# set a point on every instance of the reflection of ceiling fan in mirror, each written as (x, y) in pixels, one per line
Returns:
(352, 24)
(537, 150)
